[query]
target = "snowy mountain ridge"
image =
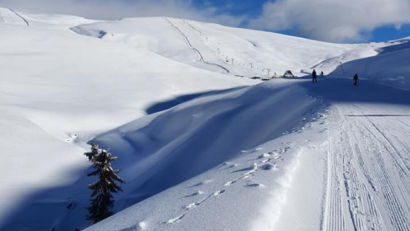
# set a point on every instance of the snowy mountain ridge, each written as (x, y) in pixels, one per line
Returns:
(201, 146)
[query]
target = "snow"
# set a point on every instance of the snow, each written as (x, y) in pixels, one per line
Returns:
(200, 147)
(9, 16)
(259, 51)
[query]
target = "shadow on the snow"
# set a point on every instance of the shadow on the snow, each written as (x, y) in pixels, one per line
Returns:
(397, 47)
(63, 207)
(162, 106)
(199, 136)
(342, 90)
(60, 207)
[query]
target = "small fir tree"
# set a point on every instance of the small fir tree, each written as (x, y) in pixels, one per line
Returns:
(101, 197)
(94, 151)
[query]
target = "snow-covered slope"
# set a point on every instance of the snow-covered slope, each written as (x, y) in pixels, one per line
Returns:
(58, 89)
(217, 48)
(9, 16)
(161, 93)
(346, 155)
(216, 129)
(390, 66)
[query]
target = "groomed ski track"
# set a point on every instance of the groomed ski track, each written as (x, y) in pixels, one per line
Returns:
(367, 179)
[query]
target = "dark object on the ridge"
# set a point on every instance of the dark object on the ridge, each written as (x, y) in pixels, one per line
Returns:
(289, 74)
(321, 73)
(355, 78)
(69, 206)
(314, 77)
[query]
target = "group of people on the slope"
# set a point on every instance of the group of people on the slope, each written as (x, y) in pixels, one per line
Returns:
(314, 77)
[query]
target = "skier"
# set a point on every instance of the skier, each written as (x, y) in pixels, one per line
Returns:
(355, 78)
(321, 73)
(314, 76)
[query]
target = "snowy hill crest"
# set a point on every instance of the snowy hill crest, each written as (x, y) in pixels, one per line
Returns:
(201, 145)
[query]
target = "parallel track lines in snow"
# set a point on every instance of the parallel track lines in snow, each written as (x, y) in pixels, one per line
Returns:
(362, 205)
(396, 212)
(201, 58)
(334, 217)
(374, 174)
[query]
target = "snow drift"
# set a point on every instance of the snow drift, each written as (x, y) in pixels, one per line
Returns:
(164, 95)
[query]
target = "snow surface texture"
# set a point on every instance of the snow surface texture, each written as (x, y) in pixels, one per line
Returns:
(222, 49)
(200, 148)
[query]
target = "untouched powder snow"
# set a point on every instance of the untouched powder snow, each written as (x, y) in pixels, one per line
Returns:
(200, 147)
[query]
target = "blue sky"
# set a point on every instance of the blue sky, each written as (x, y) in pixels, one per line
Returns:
(235, 7)
(342, 21)
(253, 8)
(390, 33)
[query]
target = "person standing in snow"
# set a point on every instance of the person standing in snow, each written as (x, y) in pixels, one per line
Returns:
(314, 76)
(321, 73)
(355, 78)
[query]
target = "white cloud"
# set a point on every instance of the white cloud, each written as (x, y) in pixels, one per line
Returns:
(114, 9)
(332, 20)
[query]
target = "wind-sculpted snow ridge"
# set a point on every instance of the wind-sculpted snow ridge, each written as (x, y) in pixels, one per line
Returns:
(217, 133)
(344, 166)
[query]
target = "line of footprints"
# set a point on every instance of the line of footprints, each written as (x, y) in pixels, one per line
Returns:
(267, 162)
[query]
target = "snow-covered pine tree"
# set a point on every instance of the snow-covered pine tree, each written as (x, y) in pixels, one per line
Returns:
(94, 151)
(101, 197)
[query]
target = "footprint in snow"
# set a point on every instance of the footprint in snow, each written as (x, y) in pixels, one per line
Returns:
(190, 206)
(141, 226)
(276, 155)
(268, 166)
(229, 183)
(217, 193)
(264, 155)
(194, 194)
(196, 204)
(255, 185)
(174, 220)
(251, 168)
(72, 138)
(228, 165)
(201, 183)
